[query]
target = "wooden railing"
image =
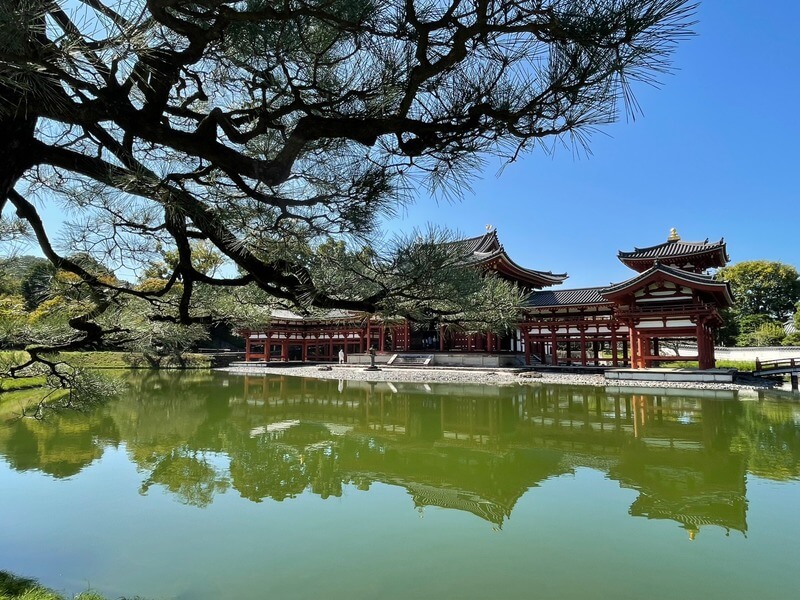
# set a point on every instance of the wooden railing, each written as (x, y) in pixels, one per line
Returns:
(778, 364)
(656, 308)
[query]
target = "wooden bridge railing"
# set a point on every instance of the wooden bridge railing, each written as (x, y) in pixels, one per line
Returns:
(780, 366)
(778, 363)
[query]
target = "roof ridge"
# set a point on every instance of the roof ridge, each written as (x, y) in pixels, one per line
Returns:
(675, 243)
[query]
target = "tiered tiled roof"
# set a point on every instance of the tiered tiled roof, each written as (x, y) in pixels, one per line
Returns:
(720, 289)
(486, 251)
(597, 296)
(574, 297)
(694, 256)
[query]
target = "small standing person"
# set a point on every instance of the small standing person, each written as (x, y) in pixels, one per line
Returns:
(341, 356)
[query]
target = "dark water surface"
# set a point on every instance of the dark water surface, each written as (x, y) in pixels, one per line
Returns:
(220, 486)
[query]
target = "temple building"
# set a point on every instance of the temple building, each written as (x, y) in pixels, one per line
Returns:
(670, 300)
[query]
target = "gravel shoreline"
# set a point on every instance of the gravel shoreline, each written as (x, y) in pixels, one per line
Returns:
(487, 376)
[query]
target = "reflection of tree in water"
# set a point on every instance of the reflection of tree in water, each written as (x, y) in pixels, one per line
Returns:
(265, 469)
(163, 411)
(327, 478)
(283, 463)
(769, 435)
(188, 475)
(62, 445)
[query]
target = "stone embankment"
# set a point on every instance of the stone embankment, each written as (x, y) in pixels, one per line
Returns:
(483, 376)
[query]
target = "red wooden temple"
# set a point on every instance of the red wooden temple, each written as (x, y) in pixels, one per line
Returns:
(671, 300)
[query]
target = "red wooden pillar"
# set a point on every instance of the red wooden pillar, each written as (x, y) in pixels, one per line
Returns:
(285, 350)
(712, 359)
(382, 333)
(330, 346)
(701, 351)
(633, 348)
(554, 348)
(643, 345)
(247, 346)
(614, 356)
(706, 348)
(583, 346)
(527, 341)
(305, 350)
(642, 349)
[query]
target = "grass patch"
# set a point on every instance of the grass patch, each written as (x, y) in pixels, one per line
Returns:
(97, 360)
(12, 404)
(742, 365)
(133, 360)
(20, 383)
(117, 360)
(13, 587)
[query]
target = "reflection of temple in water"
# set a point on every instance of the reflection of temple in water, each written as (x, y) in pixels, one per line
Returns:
(479, 449)
(476, 449)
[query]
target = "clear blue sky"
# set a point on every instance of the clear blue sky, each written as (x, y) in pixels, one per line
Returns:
(714, 155)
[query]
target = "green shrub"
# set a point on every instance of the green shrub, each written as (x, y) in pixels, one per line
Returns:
(13, 587)
(793, 339)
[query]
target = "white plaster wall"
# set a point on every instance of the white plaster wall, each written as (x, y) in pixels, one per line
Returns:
(747, 353)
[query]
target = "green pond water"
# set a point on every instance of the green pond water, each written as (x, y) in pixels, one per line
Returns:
(210, 485)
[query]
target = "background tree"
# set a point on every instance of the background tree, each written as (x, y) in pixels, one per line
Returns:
(793, 337)
(762, 287)
(765, 294)
(768, 334)
(260, 128)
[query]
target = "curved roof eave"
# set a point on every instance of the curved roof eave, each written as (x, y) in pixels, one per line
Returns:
(544, 277)
(694, 280)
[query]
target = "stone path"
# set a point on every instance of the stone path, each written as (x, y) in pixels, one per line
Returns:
(488, 376)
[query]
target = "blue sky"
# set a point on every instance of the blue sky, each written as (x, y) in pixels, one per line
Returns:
(712, 156)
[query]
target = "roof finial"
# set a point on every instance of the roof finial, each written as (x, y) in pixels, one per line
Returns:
(673, 235)
(488, 228)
